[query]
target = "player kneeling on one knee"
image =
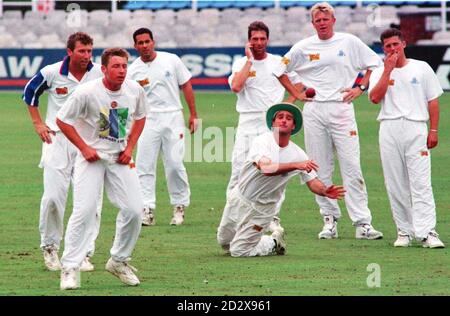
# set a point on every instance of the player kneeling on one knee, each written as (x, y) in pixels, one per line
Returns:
(272, 160)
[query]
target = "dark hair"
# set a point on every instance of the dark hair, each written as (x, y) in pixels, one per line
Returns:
(141, 31)
(257, 26)
(110, 52)
(391, 33)
(81, 37)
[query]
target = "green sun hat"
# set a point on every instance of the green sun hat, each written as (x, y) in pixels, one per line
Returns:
(291, 108)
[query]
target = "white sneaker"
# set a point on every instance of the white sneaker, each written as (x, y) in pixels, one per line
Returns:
(432, 241)
(280, 243)
(178, 215)
(123, 270)
(148, 219)
(403, 240)
(366, 231)
(70, 279)
(274, 224)
(329, 230)
(86, 265)
(51, 259)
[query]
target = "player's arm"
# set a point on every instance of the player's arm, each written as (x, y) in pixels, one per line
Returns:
(332, 192)
(33, 90)
(189, 96)
(89, 153)
(136, 130)
(379, 91)
(353, 93)
(433, 110)
(240, 77)
(268, 168)
(293, 90)
(299, 87)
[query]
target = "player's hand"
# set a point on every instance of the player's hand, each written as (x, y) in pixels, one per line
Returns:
(125, 156)
(335, 192)
(303, 98)
(193, 123)
(351, 94)
(432, 139)
(308, 166)
(90, 154)
(44, 132)
(248, 51)
(390, 61)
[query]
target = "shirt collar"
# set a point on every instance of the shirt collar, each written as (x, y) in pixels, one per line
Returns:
(64, 70)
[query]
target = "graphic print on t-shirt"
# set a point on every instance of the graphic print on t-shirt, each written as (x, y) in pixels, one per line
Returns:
(112, 124)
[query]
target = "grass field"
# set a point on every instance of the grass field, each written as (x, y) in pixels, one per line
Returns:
(186, 260)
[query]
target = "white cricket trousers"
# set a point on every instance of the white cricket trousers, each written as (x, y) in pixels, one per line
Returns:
(406, 165)
(57, 161)
(243, 225)
(163, 131)
(329, 126)
(250, 125)
(122, 187)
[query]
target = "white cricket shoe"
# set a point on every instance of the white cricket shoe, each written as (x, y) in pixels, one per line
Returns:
(123, 270)
(403, 240)
(86, 265)
(178, 215)
(366, 231)
(432, 241)
(51, 259)
(148, 218)
(329, 229)
(70, 279)
(280, 243)
(274, 224)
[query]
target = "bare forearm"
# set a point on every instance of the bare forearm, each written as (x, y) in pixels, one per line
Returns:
(298, 87)
(379, 91)
(316, 186)
(275, 169)
(433, 110)
(240, 77)
(70, 132)
(287, 84)
(35, 115)
(189, 96)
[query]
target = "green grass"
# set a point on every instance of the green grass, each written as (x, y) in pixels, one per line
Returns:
(186, 260)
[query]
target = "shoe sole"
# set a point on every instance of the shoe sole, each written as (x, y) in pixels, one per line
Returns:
(434, 247)
(370, 238)
(69, 288)
(113, 272)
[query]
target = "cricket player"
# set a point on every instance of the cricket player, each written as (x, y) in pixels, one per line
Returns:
(162, 75)
(272, 160)
(103, 119)
(257, 89)
(408, 90)
(60, 80)
(329, 62)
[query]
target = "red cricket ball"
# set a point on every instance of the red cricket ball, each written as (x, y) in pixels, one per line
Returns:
(310, 93)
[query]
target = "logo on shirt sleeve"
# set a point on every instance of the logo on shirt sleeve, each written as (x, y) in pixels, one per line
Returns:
(144, 82)
(285, 60)
(313, 57)
(391, 82)
(252, 73)
(62, 90)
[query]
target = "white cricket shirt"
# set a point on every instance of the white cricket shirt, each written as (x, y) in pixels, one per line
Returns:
(409, 90)
(329, 66)
(102, 117)
(161, 80)
(257, 187)
(59, 83)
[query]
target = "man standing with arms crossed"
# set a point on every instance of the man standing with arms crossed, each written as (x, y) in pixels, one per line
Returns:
(329, 62)
(408, 91)
(256, 89)
(162, 75)
(58, 155)
(104, 119)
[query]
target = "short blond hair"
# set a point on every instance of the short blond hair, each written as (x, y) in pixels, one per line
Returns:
(324, 7)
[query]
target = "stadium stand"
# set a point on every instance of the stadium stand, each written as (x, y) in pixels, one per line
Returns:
(212, 24)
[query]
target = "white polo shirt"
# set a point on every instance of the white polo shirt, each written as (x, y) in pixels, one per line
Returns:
(102, 117)
(409, 91)
(329, 66)
(257, 187)
(161, 80)
(261, 89)
(59, 83)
